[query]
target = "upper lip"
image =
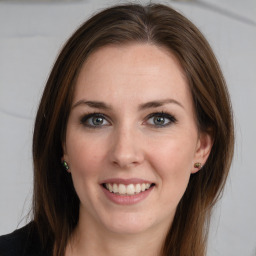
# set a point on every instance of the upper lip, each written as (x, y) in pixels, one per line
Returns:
(126, 181)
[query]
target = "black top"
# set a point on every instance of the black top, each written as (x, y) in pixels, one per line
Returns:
(22, 242)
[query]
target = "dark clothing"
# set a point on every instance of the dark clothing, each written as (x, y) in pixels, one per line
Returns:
(22, 242)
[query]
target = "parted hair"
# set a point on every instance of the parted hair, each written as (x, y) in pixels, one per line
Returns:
(55, 202)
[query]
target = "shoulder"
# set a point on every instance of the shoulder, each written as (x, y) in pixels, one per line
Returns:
(22, 242)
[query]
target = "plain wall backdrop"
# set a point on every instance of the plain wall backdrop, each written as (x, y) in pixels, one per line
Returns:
(31, 35)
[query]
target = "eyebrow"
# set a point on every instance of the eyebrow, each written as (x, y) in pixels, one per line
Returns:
(92, 104)
(150, 104)
(159, 103)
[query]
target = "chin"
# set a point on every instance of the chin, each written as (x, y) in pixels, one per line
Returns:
(129, 224)
(127, 229)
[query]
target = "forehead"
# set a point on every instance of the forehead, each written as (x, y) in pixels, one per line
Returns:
(139, 56)
(138, 71)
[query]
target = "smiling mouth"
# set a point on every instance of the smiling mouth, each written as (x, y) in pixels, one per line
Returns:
(127, 190)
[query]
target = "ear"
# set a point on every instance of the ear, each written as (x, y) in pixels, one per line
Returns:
(65, 156)
(203, 150)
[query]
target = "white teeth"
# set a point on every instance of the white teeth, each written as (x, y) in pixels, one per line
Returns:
(138, 188)
(130, 189)
(122, 189)
(115, 188)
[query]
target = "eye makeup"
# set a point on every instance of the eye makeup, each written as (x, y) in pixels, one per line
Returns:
(155, 120)
(160, 119)
(94, 120)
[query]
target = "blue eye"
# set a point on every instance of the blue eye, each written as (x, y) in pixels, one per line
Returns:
(95, 120)
(161, 119)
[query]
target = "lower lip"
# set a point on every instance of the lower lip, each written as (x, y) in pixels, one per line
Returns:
(127, 200)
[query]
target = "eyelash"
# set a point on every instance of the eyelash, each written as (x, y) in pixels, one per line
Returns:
(165, 115)
(171, 118)
(86, 117)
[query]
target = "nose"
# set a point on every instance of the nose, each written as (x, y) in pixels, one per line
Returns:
(127, 148)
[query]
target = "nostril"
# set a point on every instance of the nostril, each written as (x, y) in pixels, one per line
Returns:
(125, 152)
(125, 163)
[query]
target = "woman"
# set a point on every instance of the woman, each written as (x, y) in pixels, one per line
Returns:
(133, 140)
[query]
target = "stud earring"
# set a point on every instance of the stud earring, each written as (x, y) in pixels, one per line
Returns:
(198, 165)
(65, 165)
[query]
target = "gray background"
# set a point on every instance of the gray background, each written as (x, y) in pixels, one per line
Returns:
(31, 34)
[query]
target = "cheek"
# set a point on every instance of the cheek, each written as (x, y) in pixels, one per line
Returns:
(173, 164)
(85, 156)
(174, 155)
(85, 159)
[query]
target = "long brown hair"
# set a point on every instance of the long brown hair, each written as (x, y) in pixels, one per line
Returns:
(55, 203)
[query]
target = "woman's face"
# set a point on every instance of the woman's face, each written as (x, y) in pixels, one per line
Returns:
(132, 139)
